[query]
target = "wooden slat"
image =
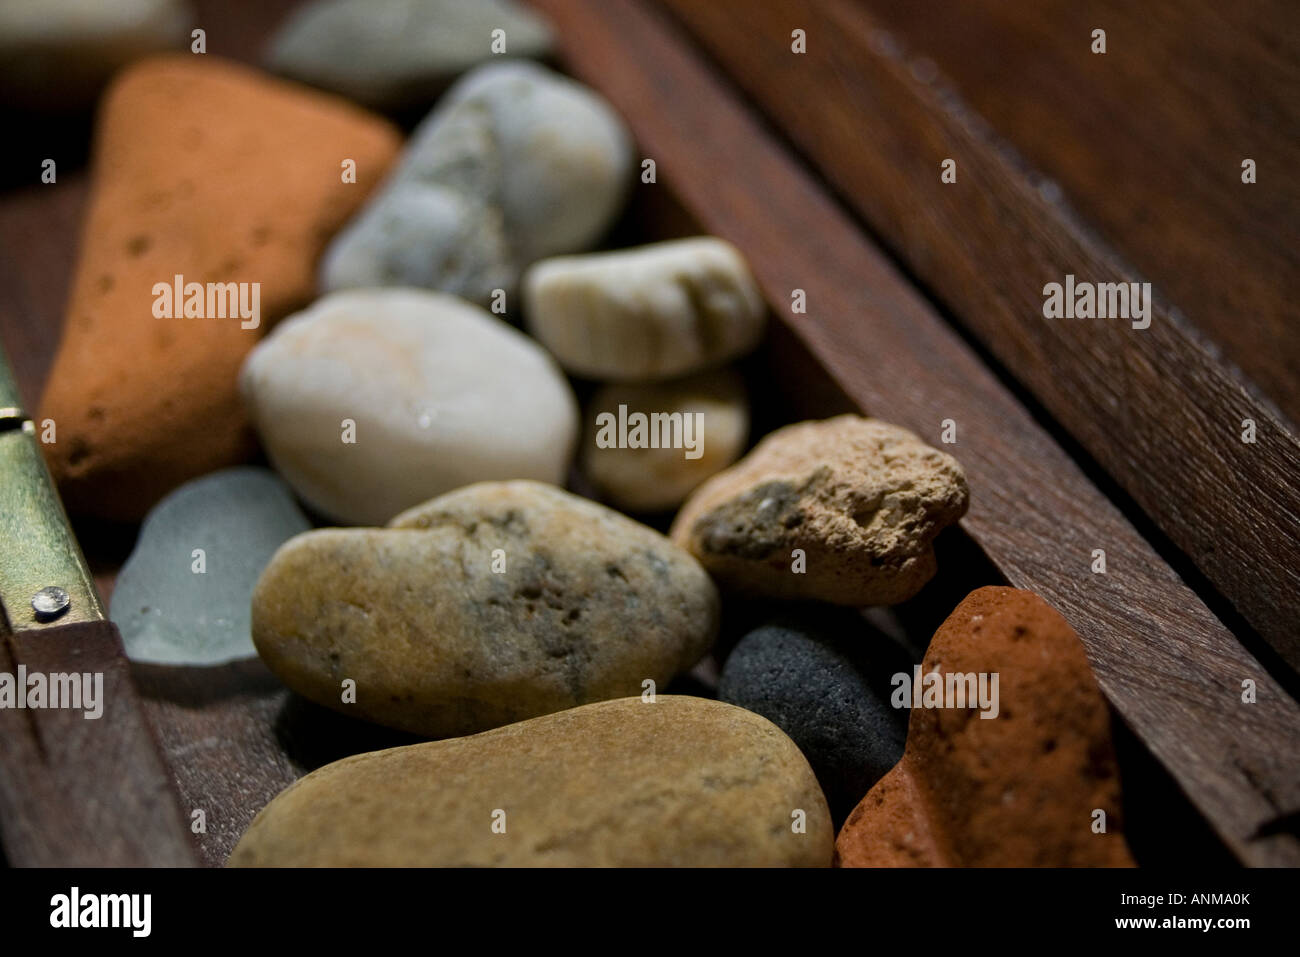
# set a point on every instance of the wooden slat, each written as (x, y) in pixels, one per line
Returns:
(77, 791)
(1154, 407)
(1147, 140)
(1165, 662)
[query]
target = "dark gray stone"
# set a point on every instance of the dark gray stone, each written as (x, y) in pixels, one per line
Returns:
(824, 679)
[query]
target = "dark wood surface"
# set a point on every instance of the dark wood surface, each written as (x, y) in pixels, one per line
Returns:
(234, 737)
(1166, 663)
(1156, 408)
(90, 791)
(1147, 141)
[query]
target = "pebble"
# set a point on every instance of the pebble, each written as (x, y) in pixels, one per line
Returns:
(855, 502)
(514, 164)
(439, 394)
(1017, 790)
(714, 425)
(824, 679)
(58, 54)
(210, 171)
(495, 603)
(394, 54)
(680, 782)
(650, 313)
(176, 607)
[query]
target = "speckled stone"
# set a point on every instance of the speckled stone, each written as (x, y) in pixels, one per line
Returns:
(589, 605)
(170, 614)
(824, 679)
(515, 163)
(217, 173)
(862, 500)
(1016, 790)
(392, 54)
(681, 782)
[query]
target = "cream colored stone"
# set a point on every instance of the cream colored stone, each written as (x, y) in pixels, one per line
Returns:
(441, 395)
(495, 603)
(861, 499)
(678, 782)
(648, 313)
(707, 411)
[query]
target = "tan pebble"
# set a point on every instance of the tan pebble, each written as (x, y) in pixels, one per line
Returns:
(855, 502)
(681, 782)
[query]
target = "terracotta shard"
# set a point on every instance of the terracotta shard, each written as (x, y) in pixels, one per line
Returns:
(1018, 790)
(207, 170)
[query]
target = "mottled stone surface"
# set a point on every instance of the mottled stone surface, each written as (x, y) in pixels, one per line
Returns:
(515, 163)
(1017, 790)
(589, 605)
(861, 498)
(169, 612)
(824, 679)
(392, 54)
(678, 782)
(440, 393)
(650, 313)
(219, 174)
(643, 479)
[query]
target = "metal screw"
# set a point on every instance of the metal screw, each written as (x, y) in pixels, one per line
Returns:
(50, 602)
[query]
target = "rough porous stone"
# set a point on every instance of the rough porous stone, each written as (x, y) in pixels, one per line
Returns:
(57, 54)
(637, 478)
(663, 310)
(861, 498)
(495, 603)
(1017, 790)
(515, 163)
(216, 173)
(167, 610)
(682, 781)
(391, 54)
(440, 394)
(824, 679)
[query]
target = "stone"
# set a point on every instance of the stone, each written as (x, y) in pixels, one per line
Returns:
(58, 54)
(708, 433)
(515, 163)
(395, 54)
(824, 679)
(374, 400)
(210, 171)
(174, 607)
(491, 604)
(680, 782)
(644, 314)
(855, 502)
(1017, 790)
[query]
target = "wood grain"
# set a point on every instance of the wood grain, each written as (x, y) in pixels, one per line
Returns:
(89, 792)
(1147, 140)
(1166, 663)
(1155, 407)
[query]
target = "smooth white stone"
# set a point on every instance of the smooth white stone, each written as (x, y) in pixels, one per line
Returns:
(442, 395)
